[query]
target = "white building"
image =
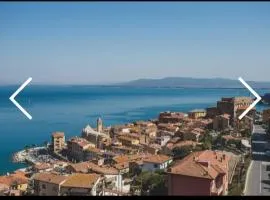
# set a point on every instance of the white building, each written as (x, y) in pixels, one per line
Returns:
(156, 162)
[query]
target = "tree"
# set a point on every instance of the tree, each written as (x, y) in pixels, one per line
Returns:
(181, 152)
(207, 141)
(150, 183)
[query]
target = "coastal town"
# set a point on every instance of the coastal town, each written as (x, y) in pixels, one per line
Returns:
(207, 149)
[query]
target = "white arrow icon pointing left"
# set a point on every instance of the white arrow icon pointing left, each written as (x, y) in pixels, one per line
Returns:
(258, 98)
(12, 98)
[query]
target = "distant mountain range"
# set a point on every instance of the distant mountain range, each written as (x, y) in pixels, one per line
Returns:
(185, 82)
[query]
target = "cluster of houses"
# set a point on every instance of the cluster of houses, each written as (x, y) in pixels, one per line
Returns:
(103, 160)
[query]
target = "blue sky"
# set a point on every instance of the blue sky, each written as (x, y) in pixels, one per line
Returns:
(81, 43)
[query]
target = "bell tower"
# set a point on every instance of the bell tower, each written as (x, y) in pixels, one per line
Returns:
(99, 125)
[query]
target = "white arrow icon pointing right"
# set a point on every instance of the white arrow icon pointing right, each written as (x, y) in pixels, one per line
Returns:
(12, 98)
(258, 98)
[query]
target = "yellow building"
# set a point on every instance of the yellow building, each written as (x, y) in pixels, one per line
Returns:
(128, 141)
(198, 113)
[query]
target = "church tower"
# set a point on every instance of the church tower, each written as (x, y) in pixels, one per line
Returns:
(99, 125)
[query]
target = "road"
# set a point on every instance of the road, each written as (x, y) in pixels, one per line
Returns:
(258, 181)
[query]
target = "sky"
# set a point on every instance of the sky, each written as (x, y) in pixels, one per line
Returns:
(106, 42)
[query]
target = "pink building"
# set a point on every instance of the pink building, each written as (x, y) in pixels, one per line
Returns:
(202, 173)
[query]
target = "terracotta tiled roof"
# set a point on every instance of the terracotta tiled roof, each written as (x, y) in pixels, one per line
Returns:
(81, 180)
(79, 167)
(126, 158)
(106, 170)
(80, 141)
(9, 180)
(183, 143)
(93, 149)
(42, 166)
(49, 178)
(121, 166)
(157, 159)
(205, 164)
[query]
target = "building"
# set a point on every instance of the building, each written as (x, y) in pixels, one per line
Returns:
(77, 147)
(42, 167)
(266, 115)
(92, 136)
(221, 122)
(231, 105)
(195, 134)
(14, 182)
(197, 113)
(81, 185)
(58, 141)
(128, 140)
(206, 171)
(77, 184)
(156, 162)
(171, 117)
(162, 141)
(152, 148)
(170, 146)
(212, 112)
(47, 184)
(92, 153)
(146, 128)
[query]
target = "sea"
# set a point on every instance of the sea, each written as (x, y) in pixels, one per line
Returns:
(71, 108)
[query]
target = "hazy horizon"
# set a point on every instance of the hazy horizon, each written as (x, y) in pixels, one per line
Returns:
(88, 43)
(33, 82)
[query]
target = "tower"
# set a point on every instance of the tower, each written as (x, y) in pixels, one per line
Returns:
(99, 125)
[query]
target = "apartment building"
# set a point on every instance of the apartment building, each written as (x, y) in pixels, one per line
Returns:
(77, 147)
(58, 141)
(206, 171)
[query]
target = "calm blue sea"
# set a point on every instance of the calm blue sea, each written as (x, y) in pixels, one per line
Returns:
(70, 108)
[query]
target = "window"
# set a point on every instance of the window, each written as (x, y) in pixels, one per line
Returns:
(43, 186)
(155, 165)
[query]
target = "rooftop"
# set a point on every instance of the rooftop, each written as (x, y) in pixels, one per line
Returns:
(80, 141)
(197, 110)
(50, 178)
(81, 180)
(58, 134)
(205, 164)
(159, 159)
